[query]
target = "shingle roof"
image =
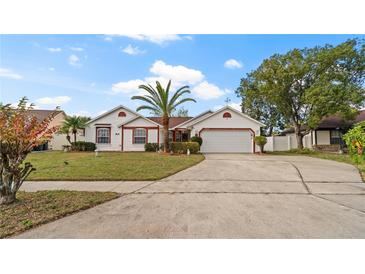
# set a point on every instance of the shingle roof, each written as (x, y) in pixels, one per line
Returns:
(173, 122)
(334, 121)
(42, 114)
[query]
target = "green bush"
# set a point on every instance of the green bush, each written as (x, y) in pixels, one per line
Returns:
(261, 142)
(151, 147)
(83, 146)
(355, 141)
(182, 147)
(197, 139)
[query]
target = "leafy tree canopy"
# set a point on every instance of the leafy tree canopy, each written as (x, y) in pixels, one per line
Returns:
(303, 86)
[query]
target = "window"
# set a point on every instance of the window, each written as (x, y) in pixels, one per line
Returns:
(227, 115)
(140, 136)
(103, 135)
(122, 114)
(335, 137)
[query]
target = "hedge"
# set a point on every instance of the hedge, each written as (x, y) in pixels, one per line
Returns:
(182, 147)
(197, 139)
(151, 147)
(83, 146)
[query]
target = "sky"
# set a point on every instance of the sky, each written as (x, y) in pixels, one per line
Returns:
(91, 74)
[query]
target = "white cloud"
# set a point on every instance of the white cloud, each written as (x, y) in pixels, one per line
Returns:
(178, 74)
(207, 91)
(56, 101)
(76, 49)
(127, 87)
(82, 113)
(51, 69)
(232, 64)
(7, 73)
(54, 49)
(132, 50)
(157, 39)
(236, 106)
(92, 84)
(73, 60)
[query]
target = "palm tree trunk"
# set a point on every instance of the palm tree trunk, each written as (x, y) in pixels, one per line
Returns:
(75, 132)
(165, 122)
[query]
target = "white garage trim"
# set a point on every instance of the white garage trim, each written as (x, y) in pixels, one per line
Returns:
(233, 129)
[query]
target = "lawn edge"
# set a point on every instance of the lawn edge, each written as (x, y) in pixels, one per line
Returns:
(116, 180)
(118, 195)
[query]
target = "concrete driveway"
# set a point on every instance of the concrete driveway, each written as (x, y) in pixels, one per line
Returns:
(225, 196)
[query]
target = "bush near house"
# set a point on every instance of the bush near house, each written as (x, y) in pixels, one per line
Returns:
(261, 142)
(83, 146)
(197, 139)
(151, 147)
(355, 141)
(182, 147)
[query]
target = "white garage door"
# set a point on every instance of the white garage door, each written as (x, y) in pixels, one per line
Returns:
(226, 141)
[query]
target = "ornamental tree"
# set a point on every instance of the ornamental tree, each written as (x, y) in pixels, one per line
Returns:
(303, 86)
(20, 132)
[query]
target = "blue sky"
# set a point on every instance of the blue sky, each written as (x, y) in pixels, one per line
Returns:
(90, 74)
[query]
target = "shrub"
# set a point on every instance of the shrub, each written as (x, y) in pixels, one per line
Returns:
(355, 141)
(261, 142)
(182, 147)
(83, 146)
(151, 147)
(197, 139)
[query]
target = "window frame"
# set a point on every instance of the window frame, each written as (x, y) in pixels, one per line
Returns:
(137, 136)
(97, 135)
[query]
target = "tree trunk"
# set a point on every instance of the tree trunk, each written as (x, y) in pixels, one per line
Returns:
(75, 132)
(165, 122)
(7, 198)
(299, 136)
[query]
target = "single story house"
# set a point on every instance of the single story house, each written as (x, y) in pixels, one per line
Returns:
(225, 130)
(329, 132)
(58, 140)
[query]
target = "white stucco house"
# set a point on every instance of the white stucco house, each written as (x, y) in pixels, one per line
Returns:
(225, 130)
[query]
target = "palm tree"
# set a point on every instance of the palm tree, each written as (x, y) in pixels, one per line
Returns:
(74, 123)
(159, 101)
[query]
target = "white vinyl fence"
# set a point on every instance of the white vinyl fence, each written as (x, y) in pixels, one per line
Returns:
(288, 142)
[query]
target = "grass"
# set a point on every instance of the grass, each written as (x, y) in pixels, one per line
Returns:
(108, 166)
(35, 208)
(345, 158)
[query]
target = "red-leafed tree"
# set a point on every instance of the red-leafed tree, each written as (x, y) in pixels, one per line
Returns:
(20, 132)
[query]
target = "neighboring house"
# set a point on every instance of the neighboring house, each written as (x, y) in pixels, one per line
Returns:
(329, 132)
(58, 139)
(225, 130)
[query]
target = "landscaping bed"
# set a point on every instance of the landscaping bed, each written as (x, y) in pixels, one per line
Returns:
(345, 158)
(35, 208)
(108, 166)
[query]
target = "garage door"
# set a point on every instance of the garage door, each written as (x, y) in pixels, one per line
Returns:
(226, 141)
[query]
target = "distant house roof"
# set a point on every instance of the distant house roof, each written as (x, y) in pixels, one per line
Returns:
(42, 114)
(173, 122)
(334, 121)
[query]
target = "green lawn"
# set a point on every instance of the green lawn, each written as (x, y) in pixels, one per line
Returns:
(35, 208)
(83, 166)
(345, 158)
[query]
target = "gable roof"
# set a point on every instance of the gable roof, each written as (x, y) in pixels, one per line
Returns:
(233, 110)
(42, 114)
(193, 118)
(137, 117)
(112, 110)
(173, 121)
